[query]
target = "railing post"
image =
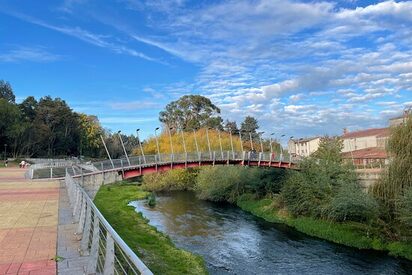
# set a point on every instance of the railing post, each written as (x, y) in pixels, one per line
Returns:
(200, 158)
(109, 256)
(228, 157)
(185, 159)
(260, 158)
(84, 244)
(214, 157)
(91, 268)
(82, 218)
(51, 172)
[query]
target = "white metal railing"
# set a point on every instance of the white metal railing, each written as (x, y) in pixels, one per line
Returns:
(107, 251)
(163, 159)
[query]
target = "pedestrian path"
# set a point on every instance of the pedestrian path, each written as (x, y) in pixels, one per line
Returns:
(28, 224)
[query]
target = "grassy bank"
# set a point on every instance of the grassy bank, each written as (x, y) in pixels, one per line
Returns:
(155, 249)
(350, 233)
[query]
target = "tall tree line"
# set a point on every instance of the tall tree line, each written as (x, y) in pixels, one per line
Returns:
(48, 127)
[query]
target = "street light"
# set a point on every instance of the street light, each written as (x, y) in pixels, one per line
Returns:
(260, 139)
(107, 151)
(124, 149)
(208, 142)
(170, 138)
(251, 142)
(140, 145)
(241, 142)
(271, 146)
(197, 146)
(157, 143)
(183, 139)
(231, 143)
(220, 143)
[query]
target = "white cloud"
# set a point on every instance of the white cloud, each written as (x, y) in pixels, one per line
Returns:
(33, 54)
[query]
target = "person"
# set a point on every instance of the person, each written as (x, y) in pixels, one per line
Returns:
(6, 162)
(22, 164)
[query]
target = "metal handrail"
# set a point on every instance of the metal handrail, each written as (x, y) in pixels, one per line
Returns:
(117, 257)
(163, 159)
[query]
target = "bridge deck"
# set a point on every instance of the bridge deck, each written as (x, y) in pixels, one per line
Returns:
(28, 224)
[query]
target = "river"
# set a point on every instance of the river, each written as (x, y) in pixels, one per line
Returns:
(235, 242)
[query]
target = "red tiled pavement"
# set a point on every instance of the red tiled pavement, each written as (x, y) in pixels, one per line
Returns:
(28, 224)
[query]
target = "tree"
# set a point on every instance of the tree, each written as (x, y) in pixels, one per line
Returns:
(28, 108)
(397, 178)
(250, 125)
(330, 149)
(231, 126)
(6, 92)
(90, 131)
(191, 112)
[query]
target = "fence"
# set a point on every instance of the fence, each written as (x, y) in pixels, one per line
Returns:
(108, 253)
(59, 169)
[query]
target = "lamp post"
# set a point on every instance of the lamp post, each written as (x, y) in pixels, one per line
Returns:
(241, 142)
(231, 143)
(140, 145)
(251, 142)
(107, 151)
(208, 142)
(197, 146)
(157, 143)
(271, 146)
(220, 143)
(280, 144)
(170, 139)
(124, 149)
(260, 139)
(183, 140)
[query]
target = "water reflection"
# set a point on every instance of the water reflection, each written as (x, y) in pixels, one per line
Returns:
(234, 242)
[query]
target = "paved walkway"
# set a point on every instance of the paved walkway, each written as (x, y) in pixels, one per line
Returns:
(28, 224)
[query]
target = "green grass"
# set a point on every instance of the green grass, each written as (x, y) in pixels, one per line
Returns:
(155, 248)
(350, 234)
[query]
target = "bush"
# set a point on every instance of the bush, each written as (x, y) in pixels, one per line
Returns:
(221, 183)
(304, 195)
(264, 181)
(405, 208)
(350, 203)
(179, 179)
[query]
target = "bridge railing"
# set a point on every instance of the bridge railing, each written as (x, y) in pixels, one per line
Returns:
(107, 251)
(59, 170)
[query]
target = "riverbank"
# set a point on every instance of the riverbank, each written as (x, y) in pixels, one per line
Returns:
(155, 249)
(351, 234)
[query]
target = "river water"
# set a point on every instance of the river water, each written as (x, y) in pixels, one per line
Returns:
(235, 242)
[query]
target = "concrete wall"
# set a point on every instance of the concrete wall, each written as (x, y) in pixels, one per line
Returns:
(352, 144)
(368, 177)
(92, 182)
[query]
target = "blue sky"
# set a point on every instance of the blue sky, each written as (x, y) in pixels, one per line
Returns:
(301, 67)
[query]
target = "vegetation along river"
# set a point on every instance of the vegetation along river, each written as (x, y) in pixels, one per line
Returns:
(235, 242)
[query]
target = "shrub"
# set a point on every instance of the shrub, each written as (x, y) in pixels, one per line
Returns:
(261, 181)
(221, 183)
(304, 195)
(405, 208)
(350, 203)
(179, 179)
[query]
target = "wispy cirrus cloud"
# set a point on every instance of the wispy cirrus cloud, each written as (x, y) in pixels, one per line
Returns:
(32, 54)
(86, 36)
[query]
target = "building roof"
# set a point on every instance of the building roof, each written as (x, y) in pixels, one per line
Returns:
(304, 139)
(367, 153)
(378, 132)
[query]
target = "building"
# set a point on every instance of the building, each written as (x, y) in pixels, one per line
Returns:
(369, 138)
(366, 147)
(396, 121)
(303, 147)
